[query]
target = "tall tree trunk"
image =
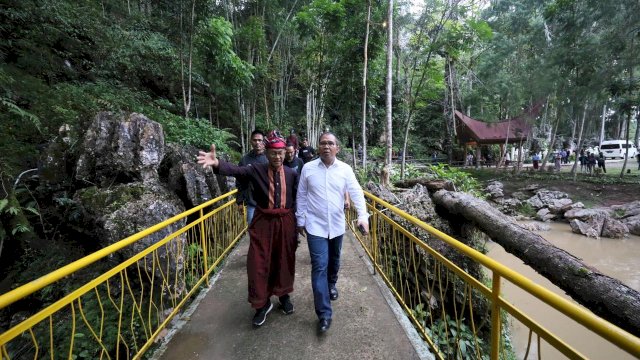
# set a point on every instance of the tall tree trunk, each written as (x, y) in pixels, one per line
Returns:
(503, 148)
(413, 90)
(552, 142)
(364, 89)
(266, 105)
(628, 123)
(604, 116)
(636, 139)
(574, 169)
(386, 170)
(626, 152)
(243, 120)
(450, 107)
(605, 296)
(315, 108)
(519, 161)
(186, 93)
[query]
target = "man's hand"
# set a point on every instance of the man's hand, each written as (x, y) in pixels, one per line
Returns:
(301, 230)
(364, 226)
(208, 158)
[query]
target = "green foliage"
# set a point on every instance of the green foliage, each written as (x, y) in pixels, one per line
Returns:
(619, 213)
(527, 210)
(455, 340)
(460, 179)
(223, 66)
(196, 132)
(411, 171)
(20, 113)
(376, 152)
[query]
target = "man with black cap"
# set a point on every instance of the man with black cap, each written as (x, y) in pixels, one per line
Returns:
(306, 152)
(272, 233)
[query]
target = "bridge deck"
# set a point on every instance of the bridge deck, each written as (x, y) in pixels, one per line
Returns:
(364, 325)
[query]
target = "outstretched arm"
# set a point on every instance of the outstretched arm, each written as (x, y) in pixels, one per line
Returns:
(208, 158)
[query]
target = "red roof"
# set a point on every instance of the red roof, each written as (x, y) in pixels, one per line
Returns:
(516, 129)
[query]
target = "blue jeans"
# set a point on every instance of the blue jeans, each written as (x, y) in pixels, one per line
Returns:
(325, 263)
(250, 211)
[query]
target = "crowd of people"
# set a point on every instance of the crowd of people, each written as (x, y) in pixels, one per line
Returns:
(289, 192)
(590, 161)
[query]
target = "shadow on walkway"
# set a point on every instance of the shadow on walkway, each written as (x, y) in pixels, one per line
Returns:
(365, 326)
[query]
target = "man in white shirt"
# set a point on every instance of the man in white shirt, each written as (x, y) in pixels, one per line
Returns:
(320, 204)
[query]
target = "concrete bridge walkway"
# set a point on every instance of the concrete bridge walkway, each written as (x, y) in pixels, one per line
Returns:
(367, 322)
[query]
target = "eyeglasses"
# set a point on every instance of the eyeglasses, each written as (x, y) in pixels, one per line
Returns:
(327, 143)
(275, 154)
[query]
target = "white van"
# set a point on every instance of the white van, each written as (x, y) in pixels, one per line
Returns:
(617, 149)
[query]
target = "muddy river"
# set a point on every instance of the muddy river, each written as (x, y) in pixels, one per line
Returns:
(616, 258)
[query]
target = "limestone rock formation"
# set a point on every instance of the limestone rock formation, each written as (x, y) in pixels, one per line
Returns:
(126, 180)
(494, 190)
(120, 148)
(186, 178)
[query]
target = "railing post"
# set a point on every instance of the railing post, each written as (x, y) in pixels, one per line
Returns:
(374, 236)
(203, 243)
(496, 322)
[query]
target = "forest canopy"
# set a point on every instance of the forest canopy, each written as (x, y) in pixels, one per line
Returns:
(210, 70)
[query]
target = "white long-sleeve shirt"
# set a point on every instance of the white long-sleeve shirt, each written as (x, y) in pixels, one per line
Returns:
(320, 198)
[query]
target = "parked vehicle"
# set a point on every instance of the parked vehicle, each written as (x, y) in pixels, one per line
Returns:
(617, 149)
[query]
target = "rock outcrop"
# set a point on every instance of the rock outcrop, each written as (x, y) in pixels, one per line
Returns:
(614, 222)
(119, 148)
(124, 179)
(187, 179)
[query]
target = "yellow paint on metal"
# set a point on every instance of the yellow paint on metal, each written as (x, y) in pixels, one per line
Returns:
(496, 321)
(148, 291)
(19, 293)
(398, 256)
(386, 232)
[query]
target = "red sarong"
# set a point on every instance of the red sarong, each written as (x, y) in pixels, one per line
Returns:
(271, 259)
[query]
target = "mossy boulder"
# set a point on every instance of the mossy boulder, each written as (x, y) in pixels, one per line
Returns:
(120, 211)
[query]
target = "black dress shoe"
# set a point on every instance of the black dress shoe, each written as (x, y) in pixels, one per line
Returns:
(324, 325)
(333, 293)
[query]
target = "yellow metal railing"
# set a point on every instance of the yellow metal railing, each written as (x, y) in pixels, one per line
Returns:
(460, 312)
(120, 313)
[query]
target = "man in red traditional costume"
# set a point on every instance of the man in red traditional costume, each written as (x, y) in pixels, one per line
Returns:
(272, 233)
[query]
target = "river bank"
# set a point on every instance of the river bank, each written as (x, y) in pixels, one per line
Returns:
(600, 190)
(614, 257)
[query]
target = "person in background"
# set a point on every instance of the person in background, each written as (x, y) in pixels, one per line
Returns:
(293, 139)
(320, 214)
(536, 160)
(638, 157)
(272, 233)
(601, 164)
(591, 162)
(469, 160)
(291, 160)
(255, 156)
(306, 152)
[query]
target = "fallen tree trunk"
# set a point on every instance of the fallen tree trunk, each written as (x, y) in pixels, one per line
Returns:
(605, 296)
